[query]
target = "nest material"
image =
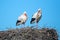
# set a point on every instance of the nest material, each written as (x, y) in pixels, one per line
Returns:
(29, 34)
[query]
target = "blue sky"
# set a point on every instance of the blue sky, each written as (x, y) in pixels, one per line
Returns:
(11, 9)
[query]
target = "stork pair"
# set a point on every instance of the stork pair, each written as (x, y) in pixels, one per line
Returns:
(35, 18)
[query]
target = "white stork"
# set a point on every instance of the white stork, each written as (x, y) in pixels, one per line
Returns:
(36, 17)
(22, 19)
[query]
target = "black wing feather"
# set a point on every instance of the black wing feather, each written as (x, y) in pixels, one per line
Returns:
(33, 19)
(18, 21)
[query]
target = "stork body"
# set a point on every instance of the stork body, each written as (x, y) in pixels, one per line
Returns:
(21, 19)
(36, 17)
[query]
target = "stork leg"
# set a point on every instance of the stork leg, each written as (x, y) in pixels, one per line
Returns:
(23, 25)
(36, 25)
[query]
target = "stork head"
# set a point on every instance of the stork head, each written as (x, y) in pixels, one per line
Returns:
(25, 13)
(39, 10)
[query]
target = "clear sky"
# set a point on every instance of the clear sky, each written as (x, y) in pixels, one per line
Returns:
(11, 9)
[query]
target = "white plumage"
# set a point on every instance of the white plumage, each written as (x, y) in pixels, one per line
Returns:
(36, 17)
(22, 19)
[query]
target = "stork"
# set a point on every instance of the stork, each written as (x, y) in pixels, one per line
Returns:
(36, 17)
(22, 19)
